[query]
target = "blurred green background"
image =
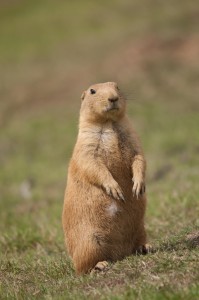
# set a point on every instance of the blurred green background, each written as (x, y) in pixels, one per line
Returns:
(50, 51)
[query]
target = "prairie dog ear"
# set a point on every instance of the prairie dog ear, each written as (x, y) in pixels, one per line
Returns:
(83, 95)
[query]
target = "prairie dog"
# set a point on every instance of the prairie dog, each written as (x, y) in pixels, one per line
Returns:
(104, 205)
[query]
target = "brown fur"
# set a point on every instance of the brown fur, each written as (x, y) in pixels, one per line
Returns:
(104, 205)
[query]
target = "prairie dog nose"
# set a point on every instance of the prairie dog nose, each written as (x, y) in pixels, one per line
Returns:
(113, 98)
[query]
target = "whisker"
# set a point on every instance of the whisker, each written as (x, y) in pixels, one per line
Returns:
(133, 99)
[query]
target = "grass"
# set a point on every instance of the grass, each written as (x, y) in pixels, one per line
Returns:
(49, 53)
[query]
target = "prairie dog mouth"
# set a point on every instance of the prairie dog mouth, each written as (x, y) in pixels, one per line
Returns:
(110, 108)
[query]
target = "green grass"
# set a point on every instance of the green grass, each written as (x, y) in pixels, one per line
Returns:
(49, 53)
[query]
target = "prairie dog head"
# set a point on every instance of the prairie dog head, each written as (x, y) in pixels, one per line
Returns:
(103, 102)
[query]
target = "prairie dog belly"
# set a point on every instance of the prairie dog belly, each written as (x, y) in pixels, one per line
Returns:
(114, 219)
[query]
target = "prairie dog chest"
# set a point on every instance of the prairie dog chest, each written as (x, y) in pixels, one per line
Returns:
(101, 140)
(109, 140)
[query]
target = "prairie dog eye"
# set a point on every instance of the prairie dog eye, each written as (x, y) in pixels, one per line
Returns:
(92, 91)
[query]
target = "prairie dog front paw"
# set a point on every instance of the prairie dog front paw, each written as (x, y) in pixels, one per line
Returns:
(138, 186)
(113, 189)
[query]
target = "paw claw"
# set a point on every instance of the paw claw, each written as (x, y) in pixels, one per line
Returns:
(145, 249)
(114, 191)
(138, 187)
(100, 266)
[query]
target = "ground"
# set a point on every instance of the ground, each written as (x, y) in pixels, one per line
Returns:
(49, 53)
